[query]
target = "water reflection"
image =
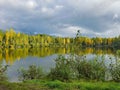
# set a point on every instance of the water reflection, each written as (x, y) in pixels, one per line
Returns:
(12, 55)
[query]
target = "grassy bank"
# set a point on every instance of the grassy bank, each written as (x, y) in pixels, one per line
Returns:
(58, 85)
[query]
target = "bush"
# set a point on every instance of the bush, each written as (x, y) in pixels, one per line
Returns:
(32, 73)
(62, 71)
(76, 67)
(118, 53)
(115, 72)
(2, 73)
(91, 69)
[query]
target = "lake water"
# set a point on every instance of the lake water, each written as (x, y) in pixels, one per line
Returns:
(44, 57)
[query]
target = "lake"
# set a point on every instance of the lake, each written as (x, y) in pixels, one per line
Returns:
(45, 57)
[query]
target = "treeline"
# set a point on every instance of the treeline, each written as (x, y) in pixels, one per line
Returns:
(11, 39)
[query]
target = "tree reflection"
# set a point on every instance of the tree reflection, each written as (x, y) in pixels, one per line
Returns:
(11, 55)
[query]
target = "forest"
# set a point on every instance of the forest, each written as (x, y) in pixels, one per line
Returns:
(11, 39)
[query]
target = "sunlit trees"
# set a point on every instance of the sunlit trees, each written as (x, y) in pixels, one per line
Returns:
(6, 38)
(11, 39)
(1, 37)
(97, 41)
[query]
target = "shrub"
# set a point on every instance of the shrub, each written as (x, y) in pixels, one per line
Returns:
(32, 73)
(118, 52)
(115, 71)
(91, 69)
(62, 71)
(76, 67)
(2, 73)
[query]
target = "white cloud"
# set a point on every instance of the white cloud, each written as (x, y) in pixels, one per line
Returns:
(47, 12)
(49, 1)
(115, 16)
(92, 17)
(18, 4)
(59, 6)
(51, 11)
(31, 4)
(113, 30)
(67, 30)
(95, 7)
(44, 9)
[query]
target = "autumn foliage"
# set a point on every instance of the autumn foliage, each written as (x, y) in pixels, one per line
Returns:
(11, 39)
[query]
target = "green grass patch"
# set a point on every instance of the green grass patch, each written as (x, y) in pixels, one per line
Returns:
(58, 85)
(78, 85)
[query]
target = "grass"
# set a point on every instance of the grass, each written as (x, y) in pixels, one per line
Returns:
(21, 86)
(58, 85)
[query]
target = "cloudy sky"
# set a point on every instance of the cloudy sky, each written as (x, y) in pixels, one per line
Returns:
(62, 17)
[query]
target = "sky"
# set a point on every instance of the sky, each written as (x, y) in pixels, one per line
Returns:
(62, 17)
